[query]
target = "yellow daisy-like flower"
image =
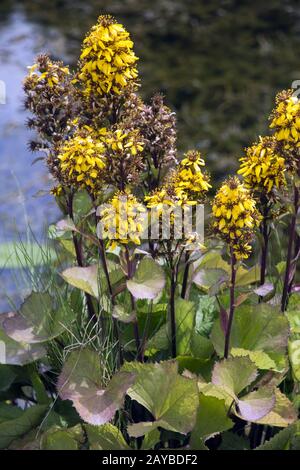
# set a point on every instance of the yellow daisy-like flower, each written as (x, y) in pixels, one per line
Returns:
(51, 74)
(124, 159)
(121, 141)
(122, 220)
(192, 159)
(236, 216)
(160, 198)
(286, 119)
(190, 183)
(81, 159)
(107, 61)
(263, 168)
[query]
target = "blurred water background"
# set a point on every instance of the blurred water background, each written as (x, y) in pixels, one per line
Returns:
(219, 64)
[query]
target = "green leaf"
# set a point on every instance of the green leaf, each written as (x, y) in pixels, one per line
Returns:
(7, 376)
(205, 314)
(15, 428)
(294, 356)
(65, 225)
(150, 440)
(212, 418)
(142, 428)
(39, 320)
(256, 328)
(213, 260)
(122, 313)
(85, 279)
(293, 313)
(234, 374)
(82, 204)
(185, 325)
(148, 280)
(210, 280)
(9, 412)
(264, 290)
(256, 405)
(260, 358)
(245, 277)
(287, 439)
(201, 347)
(229, 378)
(81, 382)
(106, 437)
(202, 367)
(231, 441)
(171, 398)
(14, 353)
(57, 438)
(283, 413)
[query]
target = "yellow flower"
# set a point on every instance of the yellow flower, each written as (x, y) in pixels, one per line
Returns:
(124, 159)
(81, 160)
(235, 216)
(123, 220)
(263, 168)
(190, 183)
(52, 73)
(57, 190)
(286, 118)
(122, 141)
(107, 61)
(160, 198)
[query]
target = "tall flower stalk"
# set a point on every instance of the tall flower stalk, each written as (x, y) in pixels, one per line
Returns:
(235, 220)
(186, 186)
(263, 170)
(285, 120)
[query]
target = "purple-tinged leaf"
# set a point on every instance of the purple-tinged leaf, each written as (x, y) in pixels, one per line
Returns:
(257, 404)
(234, 374)
(81, 382)
(264, 290)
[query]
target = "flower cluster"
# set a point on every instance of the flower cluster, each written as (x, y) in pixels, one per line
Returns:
(107, 61)
(82, 160)
(122, 220)
(285, 120)
(123, 158)
(235, 216)
(157, 125)
(187, 185)
(263, 168)
(190, 183)
(50, 98)
(161, 197)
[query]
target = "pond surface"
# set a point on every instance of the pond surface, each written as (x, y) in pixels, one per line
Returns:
(219, 63)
